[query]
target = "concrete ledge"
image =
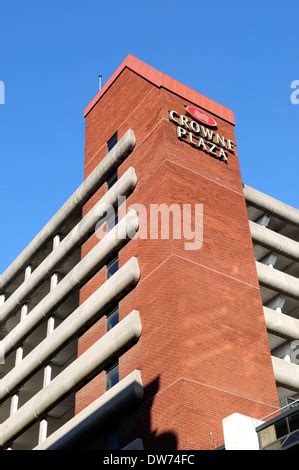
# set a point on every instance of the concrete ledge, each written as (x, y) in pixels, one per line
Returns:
(80, 274)
(123, 187)
(281, 324)
(271, 205)
(112, 345)
(286, 374)
(99, 175)
(278, 281)
(137, 444)
(274, 241)
(115, 402)
(115, 288)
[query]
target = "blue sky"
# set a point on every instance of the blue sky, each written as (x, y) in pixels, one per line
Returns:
(245, 57)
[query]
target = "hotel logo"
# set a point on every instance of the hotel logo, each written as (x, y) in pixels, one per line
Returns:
(198, 129)
(200, 116)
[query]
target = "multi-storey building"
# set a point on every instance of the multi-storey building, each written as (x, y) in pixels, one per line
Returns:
(158, 341)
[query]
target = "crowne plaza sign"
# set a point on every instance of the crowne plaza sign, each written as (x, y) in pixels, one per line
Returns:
(199, 130)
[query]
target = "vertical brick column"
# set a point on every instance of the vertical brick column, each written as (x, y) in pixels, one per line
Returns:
(204, 352)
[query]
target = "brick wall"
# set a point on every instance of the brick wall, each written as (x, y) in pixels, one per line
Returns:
(203, 353)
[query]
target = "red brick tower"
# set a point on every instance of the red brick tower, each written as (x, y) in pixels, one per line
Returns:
(203, 353)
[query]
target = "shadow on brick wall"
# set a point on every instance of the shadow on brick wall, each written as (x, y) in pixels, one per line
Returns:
(139, 424)
(109, 428)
